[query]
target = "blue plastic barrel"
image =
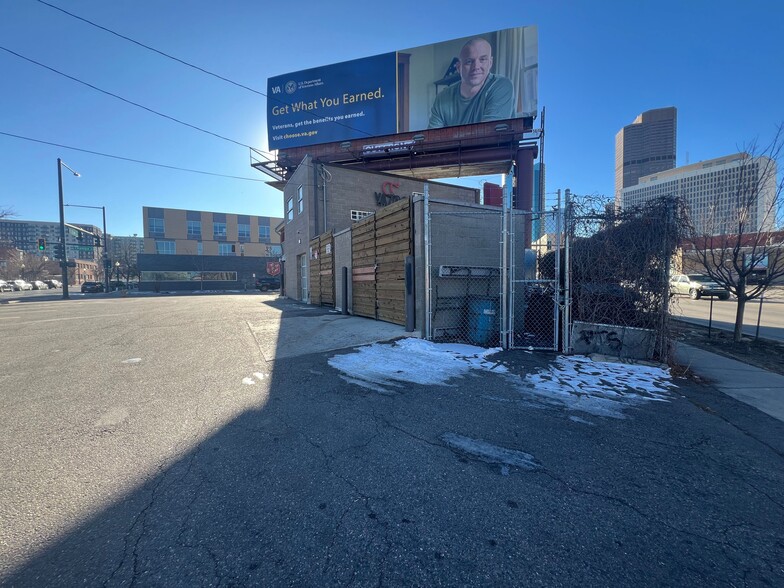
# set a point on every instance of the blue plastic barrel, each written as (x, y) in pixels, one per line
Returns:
(482, 320)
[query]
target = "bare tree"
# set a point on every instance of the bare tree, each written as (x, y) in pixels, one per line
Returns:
(6, 212)
(733, 237)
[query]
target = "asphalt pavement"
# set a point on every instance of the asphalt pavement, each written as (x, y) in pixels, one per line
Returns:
(204, 440)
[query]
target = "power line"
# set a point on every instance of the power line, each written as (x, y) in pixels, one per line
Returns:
(166, 116)
(195, 171)
(191, 65)
(153, 49)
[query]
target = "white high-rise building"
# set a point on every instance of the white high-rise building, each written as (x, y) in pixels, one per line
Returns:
(718, 193)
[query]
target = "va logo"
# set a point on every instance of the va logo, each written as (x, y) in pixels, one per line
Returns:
(276, 89)
(291, 87)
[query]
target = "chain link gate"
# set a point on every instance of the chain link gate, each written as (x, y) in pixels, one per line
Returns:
(483, 286)
(534, 288)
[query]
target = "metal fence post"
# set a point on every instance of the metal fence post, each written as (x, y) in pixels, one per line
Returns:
(428, 260)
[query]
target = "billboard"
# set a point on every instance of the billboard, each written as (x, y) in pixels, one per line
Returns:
(481, 78)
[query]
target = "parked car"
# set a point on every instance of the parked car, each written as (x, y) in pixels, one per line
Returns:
(53, 283)
(39, 285)
(117, 285)
(92, 287)
(5, 286)
(267, 283)
(21, 285)
(697, 286)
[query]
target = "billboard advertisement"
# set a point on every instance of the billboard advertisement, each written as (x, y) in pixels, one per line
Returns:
(481, 78)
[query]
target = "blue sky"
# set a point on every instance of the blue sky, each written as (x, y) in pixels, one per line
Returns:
(600, 64)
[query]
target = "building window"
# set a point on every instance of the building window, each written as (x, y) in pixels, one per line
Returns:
(219, 230)
(225, 249)
(358, 215)
(300, 199)
(165, 248)
(156, 225)
(290, 209)
(264, 233)
(243, 231)
(194, 228)
(199, 248)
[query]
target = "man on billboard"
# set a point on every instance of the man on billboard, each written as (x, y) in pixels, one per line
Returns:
(480, 96)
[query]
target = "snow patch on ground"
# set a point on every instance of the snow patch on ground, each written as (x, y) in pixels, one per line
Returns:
(600, 388)
(490, 453)
(575, 383)
(132, 360)
(385, 366)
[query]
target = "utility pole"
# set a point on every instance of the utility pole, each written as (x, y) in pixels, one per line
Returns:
(106, 263)
(64, 257)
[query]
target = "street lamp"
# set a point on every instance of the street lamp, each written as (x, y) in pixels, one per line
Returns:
(64, 258)
(107, 264)
(117, 270)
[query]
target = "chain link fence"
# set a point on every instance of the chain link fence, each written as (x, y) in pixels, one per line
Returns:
(617, 276)
(465, 274)
(485, 286)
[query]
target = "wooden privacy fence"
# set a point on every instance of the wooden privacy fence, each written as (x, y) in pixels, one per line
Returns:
(322, 270)
(379, 246)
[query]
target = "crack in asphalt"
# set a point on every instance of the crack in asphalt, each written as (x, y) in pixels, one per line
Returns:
(736, 427)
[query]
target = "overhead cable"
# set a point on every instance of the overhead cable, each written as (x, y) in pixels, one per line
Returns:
(194, 171)
(166, 116)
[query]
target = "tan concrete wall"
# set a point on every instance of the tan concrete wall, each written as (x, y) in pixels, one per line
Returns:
(174, 224)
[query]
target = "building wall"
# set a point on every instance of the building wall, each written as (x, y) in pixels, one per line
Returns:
(175, 230)
(186, 272)
(646, 146)
(710, 191)
(24, 235)
(347, 190)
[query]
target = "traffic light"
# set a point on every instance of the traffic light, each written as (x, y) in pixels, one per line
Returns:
(58, 251)
(41, 244)
(97, 241)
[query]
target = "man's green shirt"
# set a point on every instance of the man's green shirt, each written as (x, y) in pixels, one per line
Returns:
(495, 101)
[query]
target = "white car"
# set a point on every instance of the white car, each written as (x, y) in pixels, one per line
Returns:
(6, 287)
(20, 285)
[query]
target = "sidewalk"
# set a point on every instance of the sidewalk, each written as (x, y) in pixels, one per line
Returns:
(757, 387)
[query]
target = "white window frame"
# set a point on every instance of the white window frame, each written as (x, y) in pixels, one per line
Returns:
(215, 232)
(192, 225)
(300, 199)
(358, 215)
(290, 210)
(224, 249)
(243, 230)
(153, 224)
(162, 247)
(265, 237)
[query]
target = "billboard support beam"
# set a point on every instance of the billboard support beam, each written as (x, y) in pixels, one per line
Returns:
(524, 176)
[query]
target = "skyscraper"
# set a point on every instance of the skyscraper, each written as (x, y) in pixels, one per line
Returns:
(645, 147)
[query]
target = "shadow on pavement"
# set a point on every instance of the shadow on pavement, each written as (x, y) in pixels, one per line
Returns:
(326, 483)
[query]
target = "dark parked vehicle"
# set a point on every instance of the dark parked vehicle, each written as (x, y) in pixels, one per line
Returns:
(92, 287)
(117, 285)
(267, 283)
(53, 283)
